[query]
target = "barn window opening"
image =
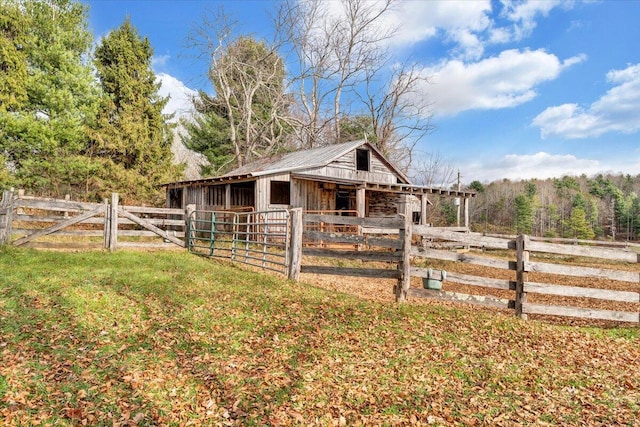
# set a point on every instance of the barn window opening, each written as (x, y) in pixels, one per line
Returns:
(280, 193)
(362, 160)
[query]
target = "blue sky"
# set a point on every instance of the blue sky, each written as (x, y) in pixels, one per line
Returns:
(520, 89)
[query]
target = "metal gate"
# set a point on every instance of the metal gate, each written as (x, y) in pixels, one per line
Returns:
(260, 239)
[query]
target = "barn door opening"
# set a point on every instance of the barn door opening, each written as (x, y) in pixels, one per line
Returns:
(345, 200)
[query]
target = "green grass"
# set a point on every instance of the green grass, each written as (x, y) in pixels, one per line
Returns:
(170, 339)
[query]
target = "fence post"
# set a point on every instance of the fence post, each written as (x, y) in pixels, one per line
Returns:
(106, 234)
(113, 222)
(522, 257)
(404, 266)
(295, 259)
(188, 235)
(6, 205)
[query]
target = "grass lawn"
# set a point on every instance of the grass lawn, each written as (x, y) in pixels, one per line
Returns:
(168, 338)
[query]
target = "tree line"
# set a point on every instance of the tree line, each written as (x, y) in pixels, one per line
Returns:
(604, 206)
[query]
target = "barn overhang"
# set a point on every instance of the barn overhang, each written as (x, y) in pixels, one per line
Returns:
(416, 190)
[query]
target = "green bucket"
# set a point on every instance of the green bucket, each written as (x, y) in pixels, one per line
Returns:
(434, 279)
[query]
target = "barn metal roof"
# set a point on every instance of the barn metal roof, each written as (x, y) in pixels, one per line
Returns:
(295, 161)
(308, 159)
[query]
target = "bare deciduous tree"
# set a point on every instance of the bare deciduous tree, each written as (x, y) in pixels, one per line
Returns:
(345, 72)
(333, 44)
(248, 78)
(399, 115)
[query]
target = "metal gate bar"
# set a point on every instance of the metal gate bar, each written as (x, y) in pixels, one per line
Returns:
(260, 239)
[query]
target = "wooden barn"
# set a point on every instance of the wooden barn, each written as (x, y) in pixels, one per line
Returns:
(349, 178)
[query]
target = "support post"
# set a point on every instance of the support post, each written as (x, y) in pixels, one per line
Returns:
(106, 234)
(360, 209)
(404, 266)
(466, 211)
(67, 197)
(227, 197)
(113, 222)
(522, 257)
(6, 216)
(360, 202)
(189, 234)
(424, 203)
(295, 258)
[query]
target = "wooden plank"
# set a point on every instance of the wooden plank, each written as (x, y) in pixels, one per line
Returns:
(157, 221)
(113, 222)
(473, 239)
(404, 266)
(106, 233)
(59, 226)
(64, 245)
(66, 233)
(352, 239)
(145, 233)
(466, 279)
(425, 229)
(56, 205)
(146, 245)
(482, 300)
(357, 272)
(586, 251)
(571, 270)
(295, 244)
(460, 257)
(52, 219)
(576, 291)
(146, 224)
(152, 210)
(378, 230)
(395, 223)
(522, 275)
(584, 313)
(357, 255)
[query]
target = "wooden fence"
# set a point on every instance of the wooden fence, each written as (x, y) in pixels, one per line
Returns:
(389, 249)
(558, 295)
(526, 276)
(65, 224)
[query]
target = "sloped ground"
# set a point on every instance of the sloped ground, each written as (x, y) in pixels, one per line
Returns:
(134, 338)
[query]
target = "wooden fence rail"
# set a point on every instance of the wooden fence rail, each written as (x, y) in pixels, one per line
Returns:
(65, 224)
(378, 248)
(521, 249)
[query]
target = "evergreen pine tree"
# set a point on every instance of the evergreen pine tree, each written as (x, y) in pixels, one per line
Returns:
(131, 138)
(577, 225)
(43, 138)
(524, 214)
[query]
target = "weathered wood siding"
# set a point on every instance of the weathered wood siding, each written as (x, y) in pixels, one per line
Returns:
(263, 192)
(351, 174)
(207, 196)
(345, 168)
(311, 195)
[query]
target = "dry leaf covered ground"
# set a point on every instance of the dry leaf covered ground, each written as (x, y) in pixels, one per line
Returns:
(134, 338)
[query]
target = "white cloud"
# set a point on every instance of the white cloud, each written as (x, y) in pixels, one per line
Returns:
(460, 21)
(523, 14)
(503, 81)
(528, 166)
(467, 25)
(159, 61)
(616, 111)
(180, 96)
